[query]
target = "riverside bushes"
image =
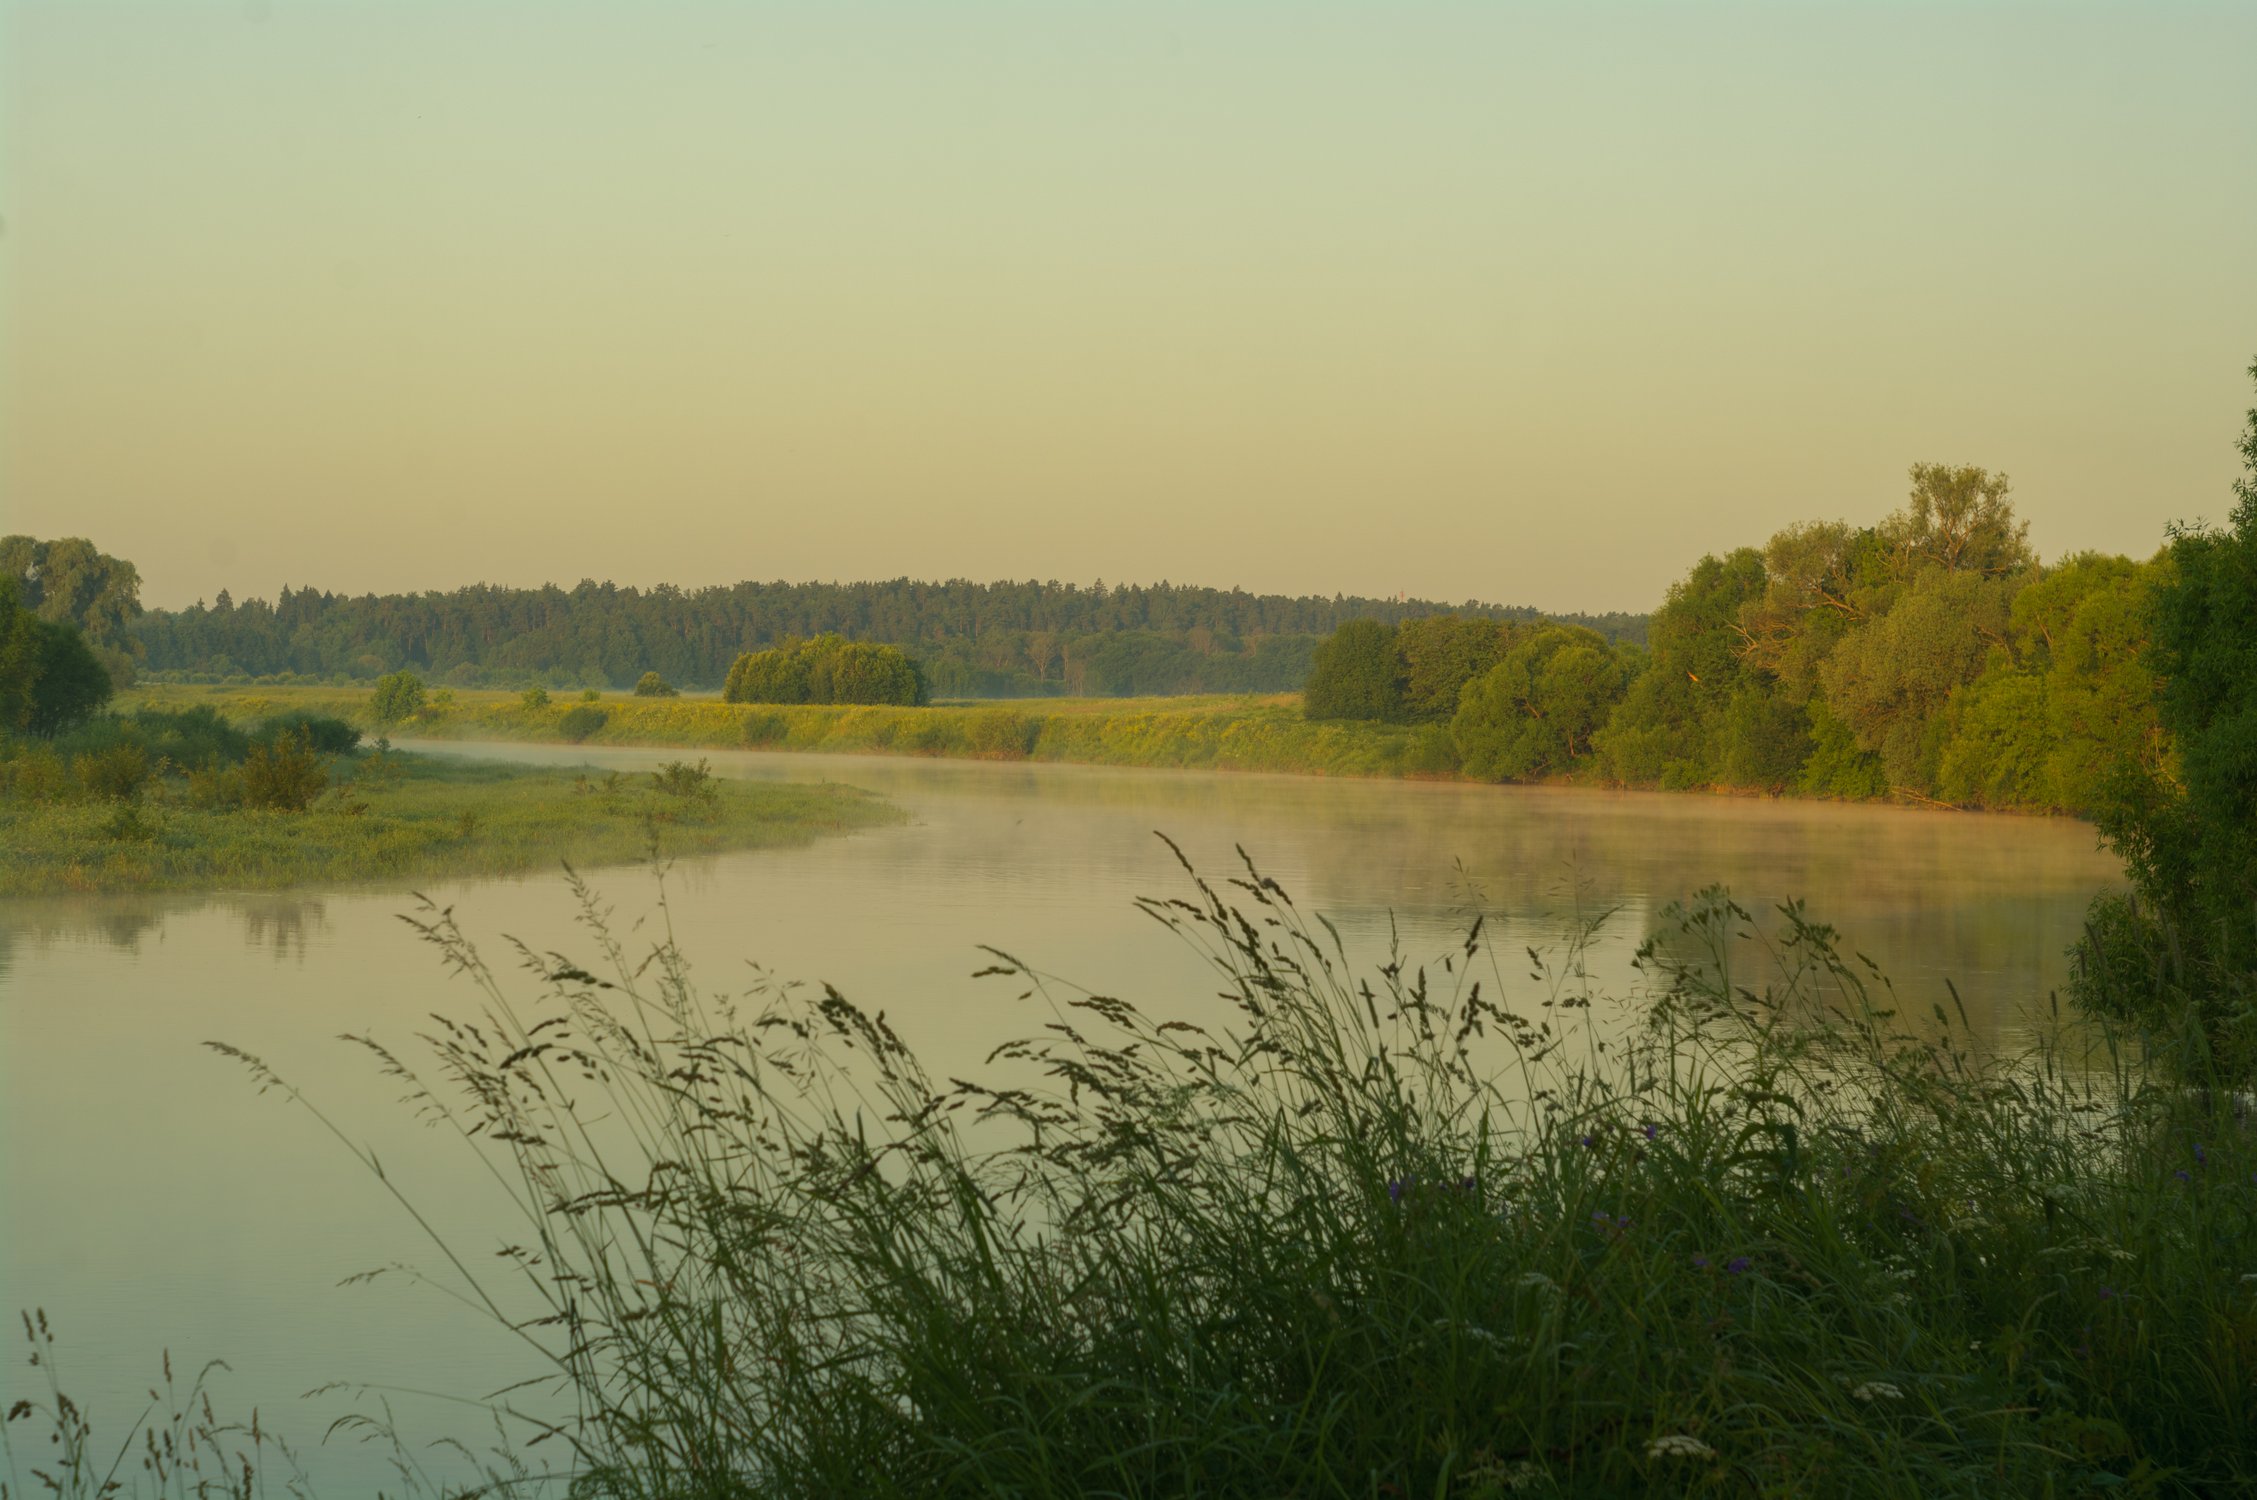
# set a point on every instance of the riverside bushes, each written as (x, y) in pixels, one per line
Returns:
(1409, 1230)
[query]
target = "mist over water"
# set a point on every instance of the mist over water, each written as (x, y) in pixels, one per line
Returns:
(157, 1201)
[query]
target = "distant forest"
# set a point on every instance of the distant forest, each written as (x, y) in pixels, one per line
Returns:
(972, 639)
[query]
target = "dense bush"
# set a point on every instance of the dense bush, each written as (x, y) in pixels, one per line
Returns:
(284, 774)
(581, 721)
(326, 735)
(1534, 714)
(828, 669)
(651, 685)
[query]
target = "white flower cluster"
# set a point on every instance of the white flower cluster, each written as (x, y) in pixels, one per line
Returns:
(1679, 1445)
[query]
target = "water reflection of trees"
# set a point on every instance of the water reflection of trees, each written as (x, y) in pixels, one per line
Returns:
(278, 922)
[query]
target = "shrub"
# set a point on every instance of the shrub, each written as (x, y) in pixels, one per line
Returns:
(578, 723)
(35, 773)
(398, 695)
(828, 669)
(284, 775)
(678, 778)
(590, 695)
(764, 728)
(118, 774)
(533, 699)
(327, 736)
(651, 685)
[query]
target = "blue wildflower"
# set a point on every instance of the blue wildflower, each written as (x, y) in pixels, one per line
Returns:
(1736, 1265)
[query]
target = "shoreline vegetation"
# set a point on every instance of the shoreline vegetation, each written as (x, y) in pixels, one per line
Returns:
(391, 815)
(1260, 733)
(1374, 1229)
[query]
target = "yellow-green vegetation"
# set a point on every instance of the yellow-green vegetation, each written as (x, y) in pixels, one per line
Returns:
(1265, 732)
(110, 819)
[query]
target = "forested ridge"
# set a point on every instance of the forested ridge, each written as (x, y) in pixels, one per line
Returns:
(972, 639)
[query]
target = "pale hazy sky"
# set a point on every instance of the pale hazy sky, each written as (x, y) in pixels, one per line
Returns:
(1524, 303)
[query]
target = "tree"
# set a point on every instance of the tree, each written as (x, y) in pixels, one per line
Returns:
(1959, 519)
(1676, 726)
(70, 685)
(651, 685)
(1355, 675)
(2189, 839)
(398, 695)
(1534, 713)
(1889, 678)
(1440, 654)
(69, 582)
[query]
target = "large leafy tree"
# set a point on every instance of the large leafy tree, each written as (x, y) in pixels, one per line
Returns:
(71, 582)
(1535, 712)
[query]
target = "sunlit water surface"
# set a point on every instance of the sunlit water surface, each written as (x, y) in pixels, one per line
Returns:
(151, 1199)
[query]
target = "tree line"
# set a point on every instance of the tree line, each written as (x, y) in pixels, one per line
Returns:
(971, 639)
(1928, 655)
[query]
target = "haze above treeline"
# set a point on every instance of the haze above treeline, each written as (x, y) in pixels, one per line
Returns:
(1523, 302)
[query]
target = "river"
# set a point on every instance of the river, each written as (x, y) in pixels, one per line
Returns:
(152, 1199)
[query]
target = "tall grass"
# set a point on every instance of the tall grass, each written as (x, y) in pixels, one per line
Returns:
(1440, 1229)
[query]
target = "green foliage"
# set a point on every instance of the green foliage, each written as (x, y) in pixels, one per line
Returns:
(1356, 675)
(1678, 722)
(828, 669)
(581, 721)
(1889, 679)
(1837, 766)
(1535, 712)
(284, 774)
(116, 774)
(326, 734)
(1007, 639)
(683, 782)
(1439, 655)
(398, 696)
(70, 685)
(69, 582)
(534, 699)
(590, 695)
(2189, 839)
(651, 685)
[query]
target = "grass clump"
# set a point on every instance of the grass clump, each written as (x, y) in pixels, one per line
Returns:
(1427, 1230)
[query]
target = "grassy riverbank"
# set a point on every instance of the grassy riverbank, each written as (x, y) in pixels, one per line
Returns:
(1219, 733)
(397, 816)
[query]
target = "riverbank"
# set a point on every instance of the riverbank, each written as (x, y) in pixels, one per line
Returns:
(1217, 732)
(396, 816)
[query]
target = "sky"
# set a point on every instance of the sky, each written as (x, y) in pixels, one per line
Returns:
(1518, 303)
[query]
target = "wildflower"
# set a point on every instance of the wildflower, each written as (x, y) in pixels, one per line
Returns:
(1588, 1141)
(1700, 1262)
(2107, 1293)
(1678, 1445)
(1537, 1280)
(1736, 1265)
(2181, 1175)
(1877, 1390)
(1468, 1184)
(2201, 1157)
(1652, 1131)
(1395, 1188)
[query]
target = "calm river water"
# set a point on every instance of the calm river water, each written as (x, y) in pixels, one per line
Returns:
(151, 1199)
